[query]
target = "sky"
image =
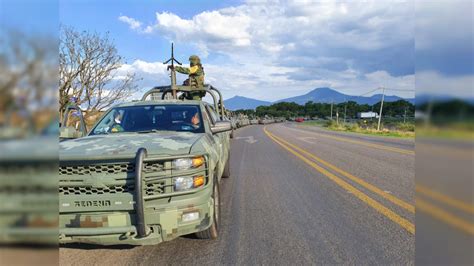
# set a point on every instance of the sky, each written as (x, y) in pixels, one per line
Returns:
(445, 48)
(23, 15)
(270, 49)
(266, 50)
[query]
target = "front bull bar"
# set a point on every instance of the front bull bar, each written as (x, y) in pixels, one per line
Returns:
(139, 200)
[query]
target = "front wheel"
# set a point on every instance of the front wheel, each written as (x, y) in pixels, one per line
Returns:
(226, 173)
(213, 231)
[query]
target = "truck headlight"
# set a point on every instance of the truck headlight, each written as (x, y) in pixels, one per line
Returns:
(188, 182)
(183, 183)
(187, 163)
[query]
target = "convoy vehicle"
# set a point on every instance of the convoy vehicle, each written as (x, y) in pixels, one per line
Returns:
(241, 120)
(254, 121)
(244, 120)
(147, 172)
(266, 120)
(28, 185)
(233, 121)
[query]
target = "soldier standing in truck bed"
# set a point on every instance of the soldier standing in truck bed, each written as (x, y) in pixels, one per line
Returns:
(195, 79)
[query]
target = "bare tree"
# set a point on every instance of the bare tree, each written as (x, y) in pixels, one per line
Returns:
(88, 64)
(28, 75)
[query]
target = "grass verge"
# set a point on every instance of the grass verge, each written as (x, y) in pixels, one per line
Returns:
(401, 130)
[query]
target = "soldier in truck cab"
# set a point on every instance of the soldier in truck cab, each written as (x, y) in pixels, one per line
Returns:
(195, 121)
(117, 123)
(195, 80)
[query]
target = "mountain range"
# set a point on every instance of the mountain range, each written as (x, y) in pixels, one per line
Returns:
(240, 102)
(318, 95)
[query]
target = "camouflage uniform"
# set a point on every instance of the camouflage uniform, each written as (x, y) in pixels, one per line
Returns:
(196, 77)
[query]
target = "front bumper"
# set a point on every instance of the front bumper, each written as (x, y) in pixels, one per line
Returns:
(136, 218)
(162, 224)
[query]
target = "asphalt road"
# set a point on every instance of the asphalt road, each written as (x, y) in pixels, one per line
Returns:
(444, 201)
(297, 196)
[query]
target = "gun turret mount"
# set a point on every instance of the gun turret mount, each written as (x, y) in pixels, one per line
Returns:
(173, 72)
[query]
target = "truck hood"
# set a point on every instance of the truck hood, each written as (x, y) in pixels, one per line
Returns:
(35, 149)
(126, 145)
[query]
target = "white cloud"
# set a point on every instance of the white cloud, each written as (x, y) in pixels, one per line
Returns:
(207, 30)
(269, 82)
(435, 83)
(278, 49)
(366, 25)
(132, 23)
(440, 23)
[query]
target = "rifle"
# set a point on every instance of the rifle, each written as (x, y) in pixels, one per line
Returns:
(173, 72)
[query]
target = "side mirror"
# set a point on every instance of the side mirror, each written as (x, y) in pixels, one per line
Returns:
(69, 133)
(221, 126)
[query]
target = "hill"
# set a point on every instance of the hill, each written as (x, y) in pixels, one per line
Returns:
(327, 95)
(318, 95)
(240, 102)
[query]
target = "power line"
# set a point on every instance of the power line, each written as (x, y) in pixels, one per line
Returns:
(369, 92)
(365, 93)
(400, 90)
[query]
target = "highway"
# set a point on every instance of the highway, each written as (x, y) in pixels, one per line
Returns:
(297, 195)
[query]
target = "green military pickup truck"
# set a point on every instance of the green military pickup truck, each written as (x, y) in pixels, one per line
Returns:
(147, 172)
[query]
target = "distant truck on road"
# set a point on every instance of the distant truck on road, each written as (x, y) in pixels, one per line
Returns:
(363, 115)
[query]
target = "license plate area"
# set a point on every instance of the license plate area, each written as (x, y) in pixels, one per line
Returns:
(96, 220)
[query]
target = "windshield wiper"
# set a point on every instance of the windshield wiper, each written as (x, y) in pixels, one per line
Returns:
(147, 131)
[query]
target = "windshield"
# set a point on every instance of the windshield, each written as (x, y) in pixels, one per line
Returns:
(150, 118)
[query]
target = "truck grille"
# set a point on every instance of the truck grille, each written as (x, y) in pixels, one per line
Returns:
(83, 190)
(77, 178)
(74, 174)
(155, 188)
(108, 168)
(151, 167)
(96, 168)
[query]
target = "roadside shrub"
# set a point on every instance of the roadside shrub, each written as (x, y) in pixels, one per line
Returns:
(406, 127)
(353, 127)
(331, 124)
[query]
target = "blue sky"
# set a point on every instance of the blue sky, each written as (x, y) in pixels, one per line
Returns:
(102, 16)
(271, 49)
(23, 15)
(262, 49)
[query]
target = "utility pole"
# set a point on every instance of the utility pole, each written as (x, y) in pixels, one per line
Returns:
(405, 115)
(381, 107)
(429, 110)
(331, 109)
(345, 111)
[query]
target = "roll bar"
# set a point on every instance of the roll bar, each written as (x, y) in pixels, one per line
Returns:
(221, 101)
(218, 104)
(76, 108)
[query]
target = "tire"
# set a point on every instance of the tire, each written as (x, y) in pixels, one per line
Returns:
(213, 231)
(226, 173)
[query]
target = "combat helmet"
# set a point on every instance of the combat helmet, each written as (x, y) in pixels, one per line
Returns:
(195, 58)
